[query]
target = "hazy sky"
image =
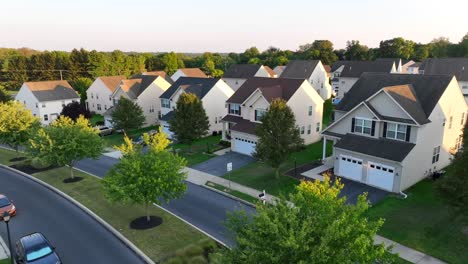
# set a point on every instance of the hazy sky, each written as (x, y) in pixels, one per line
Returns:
(223, 26)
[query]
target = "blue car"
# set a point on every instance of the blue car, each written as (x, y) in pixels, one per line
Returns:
(35, 248)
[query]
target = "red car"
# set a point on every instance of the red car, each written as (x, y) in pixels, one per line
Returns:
(6, 206)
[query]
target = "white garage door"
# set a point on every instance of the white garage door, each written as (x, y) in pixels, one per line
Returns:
(350, 168)
(244, 146)
(381, 176)
(165, 129)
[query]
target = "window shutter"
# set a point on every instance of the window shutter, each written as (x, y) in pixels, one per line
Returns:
(408, 133)
(256, 115)
(384, 129)
(352, 124)
(239, 110)
(373, 128)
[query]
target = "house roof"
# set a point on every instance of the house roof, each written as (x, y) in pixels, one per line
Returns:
(168, 116)
(111, 82)
(354, 69)
(159, 73)
(390, 118)
(406, 97)
(198, 86)
(271, 72)
(136, 86)
(271, 88)
(426, 89)
(232, 118)
(193, 72)
(397, 61)
(299, 69)
(242, 71)
(415, 65)
(327, 68)
(109, 111)
(245, 126)
(451, 66)
(52, 90)
(383, 148)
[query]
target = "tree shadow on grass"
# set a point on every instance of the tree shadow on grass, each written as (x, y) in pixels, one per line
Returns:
(28, 169)
(72, 180)
(141, 223)
(18, 159)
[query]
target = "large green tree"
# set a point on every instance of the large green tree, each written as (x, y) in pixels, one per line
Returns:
(172, 63)
(318, 50)
(64, 142)
(127, 115)
(146, 177)
(190, 121)
(356, 51)
(81, 85)
(396, 48)
(313, 225)
(277, 134)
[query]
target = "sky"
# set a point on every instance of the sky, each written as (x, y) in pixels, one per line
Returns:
(223, 26)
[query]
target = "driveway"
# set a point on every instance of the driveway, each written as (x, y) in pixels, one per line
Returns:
(353, 189)
(217, 165)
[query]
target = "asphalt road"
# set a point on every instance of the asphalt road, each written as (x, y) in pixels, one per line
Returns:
(77, 236)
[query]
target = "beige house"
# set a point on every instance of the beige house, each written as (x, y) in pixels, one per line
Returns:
(237, 74)
(393, 130)
(250, 102)
(188, 72)
(213, 93)
(99, 94)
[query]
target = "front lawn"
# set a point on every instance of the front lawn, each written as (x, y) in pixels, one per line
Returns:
(116, 139)
(96, 118)
(424, 222)
(5, 261)
(200, 151)
(261, 176)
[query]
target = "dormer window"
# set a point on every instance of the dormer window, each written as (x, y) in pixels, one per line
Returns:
(234, 109)
(166, 103)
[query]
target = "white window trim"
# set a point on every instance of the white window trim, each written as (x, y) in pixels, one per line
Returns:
(396, 131)
(435, 154)
(363, 126)
(232, 110)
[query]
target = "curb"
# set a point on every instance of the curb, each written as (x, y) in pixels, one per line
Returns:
(229, 195)
(98, 219)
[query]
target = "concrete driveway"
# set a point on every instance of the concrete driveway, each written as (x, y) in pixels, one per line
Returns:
(217, 165)
(353, 189)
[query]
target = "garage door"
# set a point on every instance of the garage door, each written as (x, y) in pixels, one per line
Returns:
(165, 129)
(381, 176)
(244, 146)
(350, 168)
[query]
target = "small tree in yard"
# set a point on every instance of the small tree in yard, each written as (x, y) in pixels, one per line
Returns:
(313, 225)
(16, 124)
(145, 178)
(74, 109)
(64, 142)
(127, 115)
(4, 96)
(278, 135)
(190, 121)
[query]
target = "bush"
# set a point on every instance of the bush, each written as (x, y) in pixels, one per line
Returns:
(225, 143)
(198, 260)
(38, 163)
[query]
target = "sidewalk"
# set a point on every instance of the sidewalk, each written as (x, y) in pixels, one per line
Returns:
(4, 252)
(407, 253)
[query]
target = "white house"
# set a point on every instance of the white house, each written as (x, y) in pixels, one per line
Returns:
(311, 70)
(393, 130)
(237, 74)
(99, 94)
(188, 72)
(250, 102)
(413, 68)
(213, 93)
(46, 99)
(145, 91)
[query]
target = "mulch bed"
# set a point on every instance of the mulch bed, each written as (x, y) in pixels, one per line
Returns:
(141, 223)
(18, 159)
(301, 169)
(28, 169)
(71, 180)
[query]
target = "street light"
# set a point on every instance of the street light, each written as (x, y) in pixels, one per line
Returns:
(6, 219)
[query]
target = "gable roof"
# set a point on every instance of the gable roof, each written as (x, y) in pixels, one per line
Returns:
(193, 72)
(111, 82)
(159, 73)
(397, 61)
(450, 66)
(198, 86)
(405, 96)
(132, 87)
(52, 90)
(426, 89)
(354, 69)
(242, 71)
(271, 88)
(299, 69)
(327, 68)
(271, 72)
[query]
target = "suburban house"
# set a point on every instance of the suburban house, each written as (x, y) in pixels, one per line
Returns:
(457, 67)
(250, 102)
(46, 99)
(413, 68)
(311, 70)
(279, 69)
(99, 94)
(328, 70)
(188, 72)
(145, 91)
(393, 130)
(160, 73)
(213, 93)
(237, 74)
(346, 73)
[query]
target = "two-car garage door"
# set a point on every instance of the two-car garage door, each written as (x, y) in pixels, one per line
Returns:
(244, 146)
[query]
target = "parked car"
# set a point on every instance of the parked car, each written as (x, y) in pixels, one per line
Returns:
(35, 248)
(104, 131)
(138, 140)
(6, 205)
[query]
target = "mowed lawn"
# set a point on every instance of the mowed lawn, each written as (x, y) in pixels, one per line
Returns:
(116, 139)
(158, 243)
(424, 222)
(200, 151)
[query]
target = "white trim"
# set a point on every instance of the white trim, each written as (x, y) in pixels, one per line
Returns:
(345, 115)
(401, 106)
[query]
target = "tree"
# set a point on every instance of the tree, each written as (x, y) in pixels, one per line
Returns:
(439, 47)
(314, 226)
(4, 96)
(421, 52)
(318, 50)
(17, 124)
(64, 142)
(172, 63)
(127, 115)
(190, 121)
(146, 178)
(81, 85)
(356, 51)
(74, 110)
(277, 135)
(396, 48)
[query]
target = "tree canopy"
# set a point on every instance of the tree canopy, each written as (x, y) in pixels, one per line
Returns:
(127, 115)
(74, 110)
(4, 96)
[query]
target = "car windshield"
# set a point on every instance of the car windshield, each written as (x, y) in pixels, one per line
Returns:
(38, 251)
(4, 202)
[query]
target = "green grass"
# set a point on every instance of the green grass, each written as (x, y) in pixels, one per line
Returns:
(197, 153)
(424, 222)
(235, 193)
(116, 139)
(96, 118)
(261, 176)
(402, 261)
(5, 261)
(158, 243)
(327, 112)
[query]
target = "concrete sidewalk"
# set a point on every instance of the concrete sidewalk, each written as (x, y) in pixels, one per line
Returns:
(4, 252)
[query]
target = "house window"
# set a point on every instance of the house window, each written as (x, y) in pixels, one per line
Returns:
(459, 142)
(92, 96)
(435, 154)
(259, 113)
(105, 107)
(363, 126)
(309, 129)
(46, 118)
(24, 102)
(450, 122)
(151, 109)
(234, 109)
(463, 119)
(98, 107)
(63, 103)
(110, 97)
(310, 110)
(321, 85)
(317, 128)
(43, 105)
(159, 114)
(396, 131)
(166, 103)
(216, 120)
(302, 130)
(97, 96)
(342, 82)
(37, 105)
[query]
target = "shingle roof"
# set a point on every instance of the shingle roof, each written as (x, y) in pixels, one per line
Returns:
(354, 69)
(52, 90)
(271, 72)
(405, 96)
(198, 86)
(159, 73)
(271, 88)
(426, 88)
(232, 118)
(111, 82)
(242, 71)
(299, 69)
(131, 87)
(245, 126)
(193, 72)
(451, 66)
(383, 148)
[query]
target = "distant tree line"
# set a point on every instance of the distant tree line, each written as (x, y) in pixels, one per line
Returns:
(82, 66)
